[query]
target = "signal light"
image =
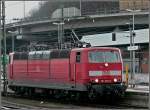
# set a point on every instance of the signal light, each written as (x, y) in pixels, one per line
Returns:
(113, 36)
(133, 34)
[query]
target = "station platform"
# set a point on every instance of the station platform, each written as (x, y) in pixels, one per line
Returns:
(138, 89)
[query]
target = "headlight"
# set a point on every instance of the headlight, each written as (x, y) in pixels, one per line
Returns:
(106, 64)
(115, 80)
(96, 80)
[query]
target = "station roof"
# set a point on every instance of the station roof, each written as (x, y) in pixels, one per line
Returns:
(122, 38)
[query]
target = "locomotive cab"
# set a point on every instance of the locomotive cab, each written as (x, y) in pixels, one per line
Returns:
(100, 69)
(105, 66)
(105, 70)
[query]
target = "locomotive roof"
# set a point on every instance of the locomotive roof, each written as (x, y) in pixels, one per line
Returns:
(94, 48)
(75, 49)
(42, 51)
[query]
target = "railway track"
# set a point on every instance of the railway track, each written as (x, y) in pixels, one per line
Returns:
(8, 108)
(15, 101)
(14, 105)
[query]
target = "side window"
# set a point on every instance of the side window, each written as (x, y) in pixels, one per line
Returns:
(54, 54)
(32, 56)
(24, 56)
(20, 56)
(78, 57)
(16, 56)
(64, 54)
(38, 56)
(46, 55)
(59, 54)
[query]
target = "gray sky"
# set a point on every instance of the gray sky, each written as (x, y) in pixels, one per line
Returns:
(15, 9)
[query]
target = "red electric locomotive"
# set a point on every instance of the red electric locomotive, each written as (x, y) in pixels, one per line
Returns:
(94, 70)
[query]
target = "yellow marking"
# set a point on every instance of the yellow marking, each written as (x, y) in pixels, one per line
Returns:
(127, 73)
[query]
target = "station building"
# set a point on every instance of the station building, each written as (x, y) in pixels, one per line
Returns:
(87, 7)
(90, 7)
(134, 4)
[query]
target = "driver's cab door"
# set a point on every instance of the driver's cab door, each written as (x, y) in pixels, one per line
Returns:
(75, 61)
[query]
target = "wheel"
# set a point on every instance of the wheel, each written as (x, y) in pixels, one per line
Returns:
(92, 95)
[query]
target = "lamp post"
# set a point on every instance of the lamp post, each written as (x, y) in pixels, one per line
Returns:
(60, 25)
(132, 35)
(80, 7)
(60, 33)
(13, 34)
(131, 52)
